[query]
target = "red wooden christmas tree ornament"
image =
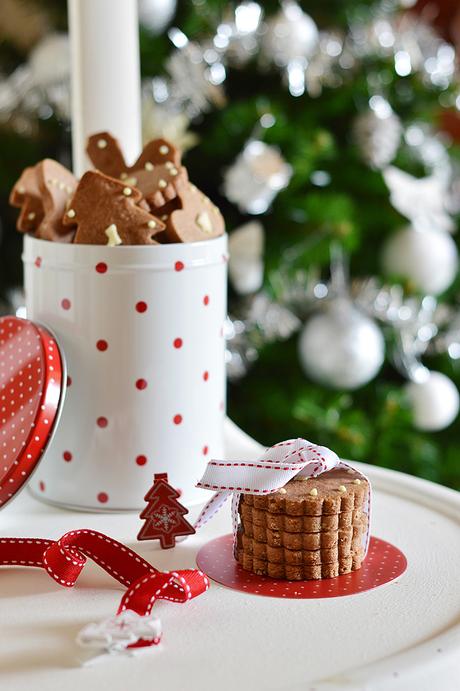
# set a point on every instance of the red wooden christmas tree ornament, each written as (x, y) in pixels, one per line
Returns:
(163, 515)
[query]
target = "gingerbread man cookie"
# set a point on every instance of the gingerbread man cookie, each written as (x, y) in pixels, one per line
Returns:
(26, 196)
(157, 173)
(106, 211)
(198, 219)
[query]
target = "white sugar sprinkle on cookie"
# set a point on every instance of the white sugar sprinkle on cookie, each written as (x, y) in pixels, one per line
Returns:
(342, 488)
(314, 492)
(152, 224)
(71, 213)
(149, 166)
(357, 482)
(123, 176)
(31, 216)
(112, 234)
(127, 191)
(101, 143)
(162, 184)
(204, 222)
(164, 149)
(282, 490)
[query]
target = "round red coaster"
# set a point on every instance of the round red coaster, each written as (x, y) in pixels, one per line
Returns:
(383, 564)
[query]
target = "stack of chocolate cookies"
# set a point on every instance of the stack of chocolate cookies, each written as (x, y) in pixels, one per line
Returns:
(312, 528)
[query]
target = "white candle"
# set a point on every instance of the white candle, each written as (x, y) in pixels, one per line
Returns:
(105, 75)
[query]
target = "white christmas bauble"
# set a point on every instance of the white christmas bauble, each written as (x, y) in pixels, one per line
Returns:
(427, 258)
(291, 34)
(50, 60)
(435, 401)
(155, 15)
(246, 266)
(340, 347)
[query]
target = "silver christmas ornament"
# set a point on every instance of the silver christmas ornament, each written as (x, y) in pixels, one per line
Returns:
(156, 15)
(429, 259)
(246, 265)
(289, 35)
(256, 177)
(340, 347)
(378, 133)
(434, 400)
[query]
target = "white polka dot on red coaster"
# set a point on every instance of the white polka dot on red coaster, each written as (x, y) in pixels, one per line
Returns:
(177, 419)
(101, 267)
(141, 384)
(179, 266)
(103, 497)
(30, 381)
(141, 306)
(384, 562)
(102, 345)
(66, 304)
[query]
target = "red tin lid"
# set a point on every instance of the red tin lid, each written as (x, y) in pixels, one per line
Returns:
(32, 387)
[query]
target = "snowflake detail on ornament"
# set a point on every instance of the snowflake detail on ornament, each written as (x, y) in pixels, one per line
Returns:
(165, 519)
(164, 515)
(117, 634)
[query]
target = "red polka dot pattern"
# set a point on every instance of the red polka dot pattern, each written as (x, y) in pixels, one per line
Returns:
(41, 486)
(69, 380)
(205, 450)
(206, 300)
(103, 497)
(177, 419)
(30, 382)
(102, 345)
(141, 460)
(178, 343)
(101, 268)
(179, 266)
(66, 304)
(141, 306)
(67, 456)
(141, 384)
(383, 564)
(38, 262)
(102, 422)
(205, 376)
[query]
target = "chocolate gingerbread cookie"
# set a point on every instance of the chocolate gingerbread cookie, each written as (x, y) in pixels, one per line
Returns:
(106, 211)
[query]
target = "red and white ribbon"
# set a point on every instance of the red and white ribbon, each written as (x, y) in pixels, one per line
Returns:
(268, 474)
(65, 558)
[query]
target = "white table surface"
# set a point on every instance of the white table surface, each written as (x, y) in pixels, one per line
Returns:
(404, 636)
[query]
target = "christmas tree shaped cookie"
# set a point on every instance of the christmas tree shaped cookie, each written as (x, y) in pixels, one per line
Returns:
(164, 515)
(156, 173)
(106, 211)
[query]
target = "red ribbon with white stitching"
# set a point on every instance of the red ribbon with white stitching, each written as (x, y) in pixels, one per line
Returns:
(268, 474)
(64, 559)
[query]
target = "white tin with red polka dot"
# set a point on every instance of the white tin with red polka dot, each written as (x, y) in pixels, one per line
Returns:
(142, 333)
